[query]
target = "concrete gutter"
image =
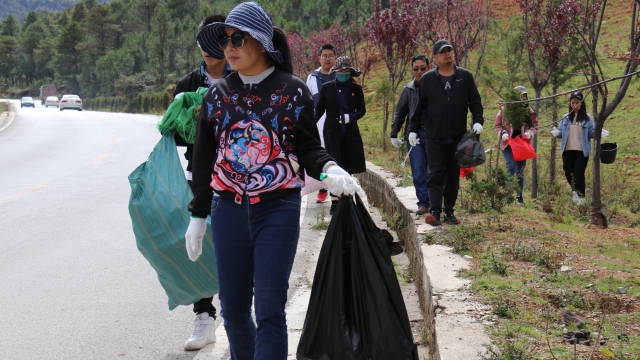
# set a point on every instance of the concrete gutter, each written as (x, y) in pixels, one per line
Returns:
(6, 119)
(458, 332)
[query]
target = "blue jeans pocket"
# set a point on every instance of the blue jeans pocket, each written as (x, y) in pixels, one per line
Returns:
(215, 202)
(295, 199)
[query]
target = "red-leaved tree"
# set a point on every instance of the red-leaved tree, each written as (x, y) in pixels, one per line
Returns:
(464, 23)
(393, 31)
(333, 35)
(302, 61)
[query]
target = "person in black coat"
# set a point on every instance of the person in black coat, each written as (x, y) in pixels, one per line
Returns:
(343, 101)
(213, 67)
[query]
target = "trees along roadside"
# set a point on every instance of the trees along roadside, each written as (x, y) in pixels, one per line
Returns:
(590, 20)
(546, 33)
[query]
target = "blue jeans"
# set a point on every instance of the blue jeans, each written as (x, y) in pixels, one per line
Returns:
(418, 160)
(255, 247)
(515, 168)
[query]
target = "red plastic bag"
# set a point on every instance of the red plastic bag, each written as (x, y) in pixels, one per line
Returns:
(521, 149)
(464, 172)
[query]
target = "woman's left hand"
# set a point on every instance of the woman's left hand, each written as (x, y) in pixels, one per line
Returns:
(605, 133)
(527, 134)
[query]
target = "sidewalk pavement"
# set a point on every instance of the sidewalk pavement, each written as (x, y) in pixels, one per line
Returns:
(7, 117)
(459, 318)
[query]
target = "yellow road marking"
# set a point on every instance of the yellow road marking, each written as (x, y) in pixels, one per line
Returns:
(114, 140)
(99, 158)
(36, 188)
(110, 129)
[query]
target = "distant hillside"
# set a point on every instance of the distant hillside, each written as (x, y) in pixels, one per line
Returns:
(20, 8)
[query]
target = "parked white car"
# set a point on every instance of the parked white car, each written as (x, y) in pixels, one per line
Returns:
(51, 101)
(70, 102)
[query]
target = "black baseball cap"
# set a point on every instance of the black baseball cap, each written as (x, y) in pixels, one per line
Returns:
(578, 95)
(441, 44)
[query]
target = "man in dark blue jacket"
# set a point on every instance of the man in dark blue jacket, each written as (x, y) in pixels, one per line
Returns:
(446, 94)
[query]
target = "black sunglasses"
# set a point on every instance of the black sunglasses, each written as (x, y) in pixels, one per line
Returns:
(237, 40)
(416, 69)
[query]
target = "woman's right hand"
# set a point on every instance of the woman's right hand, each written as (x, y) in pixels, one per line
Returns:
(555, 132)
(193, 237)
(505, 137)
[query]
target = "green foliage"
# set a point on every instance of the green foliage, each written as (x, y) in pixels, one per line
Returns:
(402, 279)
(489, 193)
(463, 238)
(515, 113)
(321, 222)
(494, 264)
(100, 47)
(394, 221)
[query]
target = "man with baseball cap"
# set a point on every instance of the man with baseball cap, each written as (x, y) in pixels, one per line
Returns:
(447, 92)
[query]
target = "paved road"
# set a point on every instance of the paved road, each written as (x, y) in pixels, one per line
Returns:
(72, 283)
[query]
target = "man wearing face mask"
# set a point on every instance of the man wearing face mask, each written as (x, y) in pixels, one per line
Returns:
(447, 93)
(343, 102)
(315, 80)
(417, 156)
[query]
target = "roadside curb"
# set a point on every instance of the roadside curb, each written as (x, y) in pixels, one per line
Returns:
(379, 185)
(5, 122)
(456, 334)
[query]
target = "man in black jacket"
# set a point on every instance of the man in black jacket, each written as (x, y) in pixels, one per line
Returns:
(212, 68)
(446, 94)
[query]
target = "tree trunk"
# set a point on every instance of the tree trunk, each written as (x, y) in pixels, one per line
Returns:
(534, 161)
(385, 120)
(598, 210)
(554, 140)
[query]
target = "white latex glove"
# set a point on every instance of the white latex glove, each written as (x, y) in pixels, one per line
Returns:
(555, 132)
(396, 142)
(346, 118)
(505, 137)
(477, 128)
(193, 238)
(605, 133)
(414, 139)
(339, 182)
(527, 135)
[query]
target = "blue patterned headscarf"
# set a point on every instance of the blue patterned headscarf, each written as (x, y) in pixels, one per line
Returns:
(249, 17)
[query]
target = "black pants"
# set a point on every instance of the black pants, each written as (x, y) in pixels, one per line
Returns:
(574, 164)
(203, 305)
(444, 174)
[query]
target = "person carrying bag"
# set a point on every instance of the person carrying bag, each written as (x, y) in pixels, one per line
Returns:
(514, 140)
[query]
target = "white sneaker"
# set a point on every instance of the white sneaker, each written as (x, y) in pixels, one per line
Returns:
(576, 198)
(580, 200)
(203, 334)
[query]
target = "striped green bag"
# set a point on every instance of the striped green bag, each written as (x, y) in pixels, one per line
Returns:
(158, 208)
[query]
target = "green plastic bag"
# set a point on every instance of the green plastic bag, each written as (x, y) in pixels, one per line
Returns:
(160, 195)
(181, 115)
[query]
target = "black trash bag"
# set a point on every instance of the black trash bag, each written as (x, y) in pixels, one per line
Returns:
(470, 151)
(356, 310)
